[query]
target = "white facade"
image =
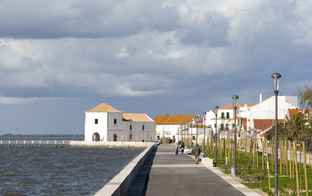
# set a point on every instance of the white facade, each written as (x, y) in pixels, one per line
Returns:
(105, 123)
(263, 110)
(168, 131)
(171, 126)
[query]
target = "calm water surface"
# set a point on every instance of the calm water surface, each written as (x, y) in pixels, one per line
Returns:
(59, 171)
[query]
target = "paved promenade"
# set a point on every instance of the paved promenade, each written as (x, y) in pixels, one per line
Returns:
(168, 174)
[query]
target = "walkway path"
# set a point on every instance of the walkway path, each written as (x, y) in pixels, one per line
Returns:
(169, 174)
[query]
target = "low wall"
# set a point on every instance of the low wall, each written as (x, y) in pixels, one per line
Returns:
(207, 162)
(111, 144)
(120, 184)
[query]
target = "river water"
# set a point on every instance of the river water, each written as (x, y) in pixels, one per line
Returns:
(50, 170)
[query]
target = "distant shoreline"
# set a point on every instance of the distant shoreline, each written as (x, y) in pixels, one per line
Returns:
(79, 137)
(111, 144)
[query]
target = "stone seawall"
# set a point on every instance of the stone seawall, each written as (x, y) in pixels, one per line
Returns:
(121, 183)
(111, 144)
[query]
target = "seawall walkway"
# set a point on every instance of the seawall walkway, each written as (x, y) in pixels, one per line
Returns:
(165, 173)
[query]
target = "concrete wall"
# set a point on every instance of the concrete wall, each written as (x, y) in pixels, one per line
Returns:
(110, 144)
(120, 184)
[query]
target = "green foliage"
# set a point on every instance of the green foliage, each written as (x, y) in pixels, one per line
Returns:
(305, 97)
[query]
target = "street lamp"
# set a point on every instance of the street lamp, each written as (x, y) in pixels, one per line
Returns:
(235, 101)
(215, 134)
(276, 85)
(204, 120)
(188, 127)
(196, 119)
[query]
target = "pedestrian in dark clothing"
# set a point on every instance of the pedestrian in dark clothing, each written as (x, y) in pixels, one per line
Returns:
(182, 147)
(196, 153)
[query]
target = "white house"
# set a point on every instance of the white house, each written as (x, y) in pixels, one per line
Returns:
(171, 126)
(105, 123)
(251, 118)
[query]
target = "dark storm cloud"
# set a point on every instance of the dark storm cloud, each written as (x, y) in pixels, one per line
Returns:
(178, 56)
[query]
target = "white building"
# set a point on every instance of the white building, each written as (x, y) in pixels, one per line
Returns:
(251, 119)
(172, 126)
(105, 123)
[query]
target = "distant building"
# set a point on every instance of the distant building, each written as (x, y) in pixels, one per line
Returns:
(252, 120)
(105, 123)
(171, 126)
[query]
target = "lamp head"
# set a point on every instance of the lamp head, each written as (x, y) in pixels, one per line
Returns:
(276, 82)
(216, 110)
(235, 100)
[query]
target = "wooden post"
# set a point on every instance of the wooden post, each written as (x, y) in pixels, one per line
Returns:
(296, 165)
(290, 160)
(257, 154)
(245, 143)
(253, 153)
(262, 156)
(272, 156)
(305, 168)
(267, 151)
(294, 158)
(281, 157)
(269, 179)
(286, 158)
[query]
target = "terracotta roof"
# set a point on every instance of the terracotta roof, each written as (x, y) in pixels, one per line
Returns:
(292, 112)
(104, 107)
(228, 107)
(173, 119)
(263, 124)
(137, 117)
(244, 122)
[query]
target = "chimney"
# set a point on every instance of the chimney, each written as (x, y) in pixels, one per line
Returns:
(260, 98)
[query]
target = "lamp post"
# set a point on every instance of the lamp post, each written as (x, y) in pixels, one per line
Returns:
(276, 85)
(234, 169)
(215, 134)
(204, 119)
(196, 119)
(191, 130)
(188, 127)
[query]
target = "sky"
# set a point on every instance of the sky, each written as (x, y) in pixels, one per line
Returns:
(60, 58)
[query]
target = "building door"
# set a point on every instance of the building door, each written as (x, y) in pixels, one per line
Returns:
(130, 137)
(114, 137)
(96, 137)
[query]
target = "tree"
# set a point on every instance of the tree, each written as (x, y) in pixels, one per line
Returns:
(297, 127)
(305, 97)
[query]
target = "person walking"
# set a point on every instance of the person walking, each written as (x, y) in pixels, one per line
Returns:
(196, 153)
(176, 148)
(182, 147)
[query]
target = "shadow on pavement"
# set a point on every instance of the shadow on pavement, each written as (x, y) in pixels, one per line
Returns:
(139, 185)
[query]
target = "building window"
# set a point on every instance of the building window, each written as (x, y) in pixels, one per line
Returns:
(215, 125)
(143, 127)
(222, 115)
(115, 121)
(130, 127)
(228, 115)
(227, 127)
(222, 127)
(96, 121)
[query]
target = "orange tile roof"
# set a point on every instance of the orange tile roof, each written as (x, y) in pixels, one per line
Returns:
(264, 124)
(104, 107)
(173, 119)
(137, 117)
(244, 122)
(230, 107)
